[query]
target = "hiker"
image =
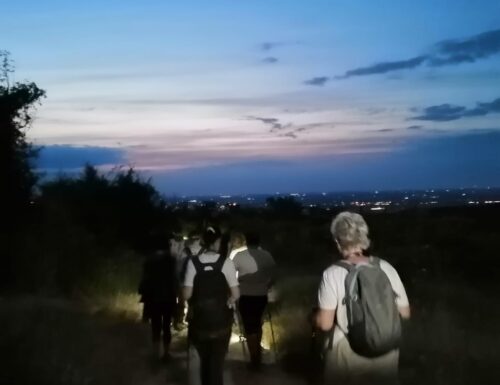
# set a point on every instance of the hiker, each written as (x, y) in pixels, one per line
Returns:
(237, 243)
(183, 250)
(158, 291)
(255, 268)
(363, 348)
(211, 287)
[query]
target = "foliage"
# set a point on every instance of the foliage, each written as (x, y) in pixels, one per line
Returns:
(16, 155)
(284, 206)
(16, 109)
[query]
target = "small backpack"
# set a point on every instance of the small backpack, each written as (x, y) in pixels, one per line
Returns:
(372, 313)
(210, 315)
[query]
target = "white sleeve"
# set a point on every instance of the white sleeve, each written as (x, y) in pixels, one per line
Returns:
(327, 294)
(230, 272)
(396, 283)
(190, 273)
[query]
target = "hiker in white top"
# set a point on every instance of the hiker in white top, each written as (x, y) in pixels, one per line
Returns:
(350, 233)
(212, 288)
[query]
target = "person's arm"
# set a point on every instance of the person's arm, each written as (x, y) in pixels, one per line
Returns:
(327, 300)
(187, 292)
(399, 289)
(230, 273)
(187, 289)
(405, 312)
(325, 319)
(234, 294)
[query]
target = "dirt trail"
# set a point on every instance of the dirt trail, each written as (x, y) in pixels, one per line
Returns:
(236, 372)
(69, 345)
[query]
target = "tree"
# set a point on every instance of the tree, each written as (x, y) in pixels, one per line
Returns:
(16, 156)
(17, 101)
(284, 206)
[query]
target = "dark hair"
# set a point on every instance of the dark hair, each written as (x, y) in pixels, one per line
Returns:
(210, 235)
(253, 239)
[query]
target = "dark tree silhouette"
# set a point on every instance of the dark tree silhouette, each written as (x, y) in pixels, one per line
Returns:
(284, 206)
(16, 153)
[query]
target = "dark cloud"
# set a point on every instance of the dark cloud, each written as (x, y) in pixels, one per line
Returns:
(447, 52)
(274, 123)
(447, 112)
(414, 127)
(290, 130)
(386, 130)
(270, 60)
(384, 67)
(468, 50)
(61, 157)
(317, 81)
(270, 45)
(441, 113)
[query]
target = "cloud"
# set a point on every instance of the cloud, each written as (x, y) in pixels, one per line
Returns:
(386, 130)
(61, 157)
(469, 50)
(416, 163)
(317, 81)
(441, 113)
(289, 130)
(414, 127)
(274, 123)
(384, 67)
(270, 60)
(446, 52)
(447, 112)
(270, 45)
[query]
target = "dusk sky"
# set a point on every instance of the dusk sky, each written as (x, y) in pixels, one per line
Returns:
(227, 97)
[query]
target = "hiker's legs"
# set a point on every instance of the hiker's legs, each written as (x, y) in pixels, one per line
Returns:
(212, 353)
(156, 324)
(252, 310)
(166, 319)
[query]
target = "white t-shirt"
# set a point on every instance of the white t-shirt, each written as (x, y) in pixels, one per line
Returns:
(210, 257)
(332, 292)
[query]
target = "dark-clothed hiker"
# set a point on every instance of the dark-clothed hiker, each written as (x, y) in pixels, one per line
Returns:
(362, 298)
(256, 270)
(211, 287)
(158, 293)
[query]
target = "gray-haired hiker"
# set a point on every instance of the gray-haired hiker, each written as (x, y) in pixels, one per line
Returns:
(363, 299)
(211, 287)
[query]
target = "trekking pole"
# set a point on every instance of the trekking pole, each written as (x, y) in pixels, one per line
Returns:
(275, 349)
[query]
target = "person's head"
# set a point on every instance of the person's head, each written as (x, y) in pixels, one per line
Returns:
(210, 239)
(253, 239)
(350, 232)
(237, 239)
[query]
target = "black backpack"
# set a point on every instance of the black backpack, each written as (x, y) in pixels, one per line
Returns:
(372, 313)
(210, 315)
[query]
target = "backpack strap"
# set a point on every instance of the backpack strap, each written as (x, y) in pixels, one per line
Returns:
(375, 261)
(345, 265)
(197, 263)
(199, 266)
(219, 263)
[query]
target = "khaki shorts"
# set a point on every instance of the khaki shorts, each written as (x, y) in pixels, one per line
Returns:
(345, 366)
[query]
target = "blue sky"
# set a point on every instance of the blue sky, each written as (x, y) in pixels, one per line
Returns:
(262, 96)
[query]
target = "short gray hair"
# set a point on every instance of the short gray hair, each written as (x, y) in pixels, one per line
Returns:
(350, 230)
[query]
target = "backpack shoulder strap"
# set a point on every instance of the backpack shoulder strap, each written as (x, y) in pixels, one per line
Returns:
(219, 263)
(345, 265)
(375, 261)
(197, 263)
